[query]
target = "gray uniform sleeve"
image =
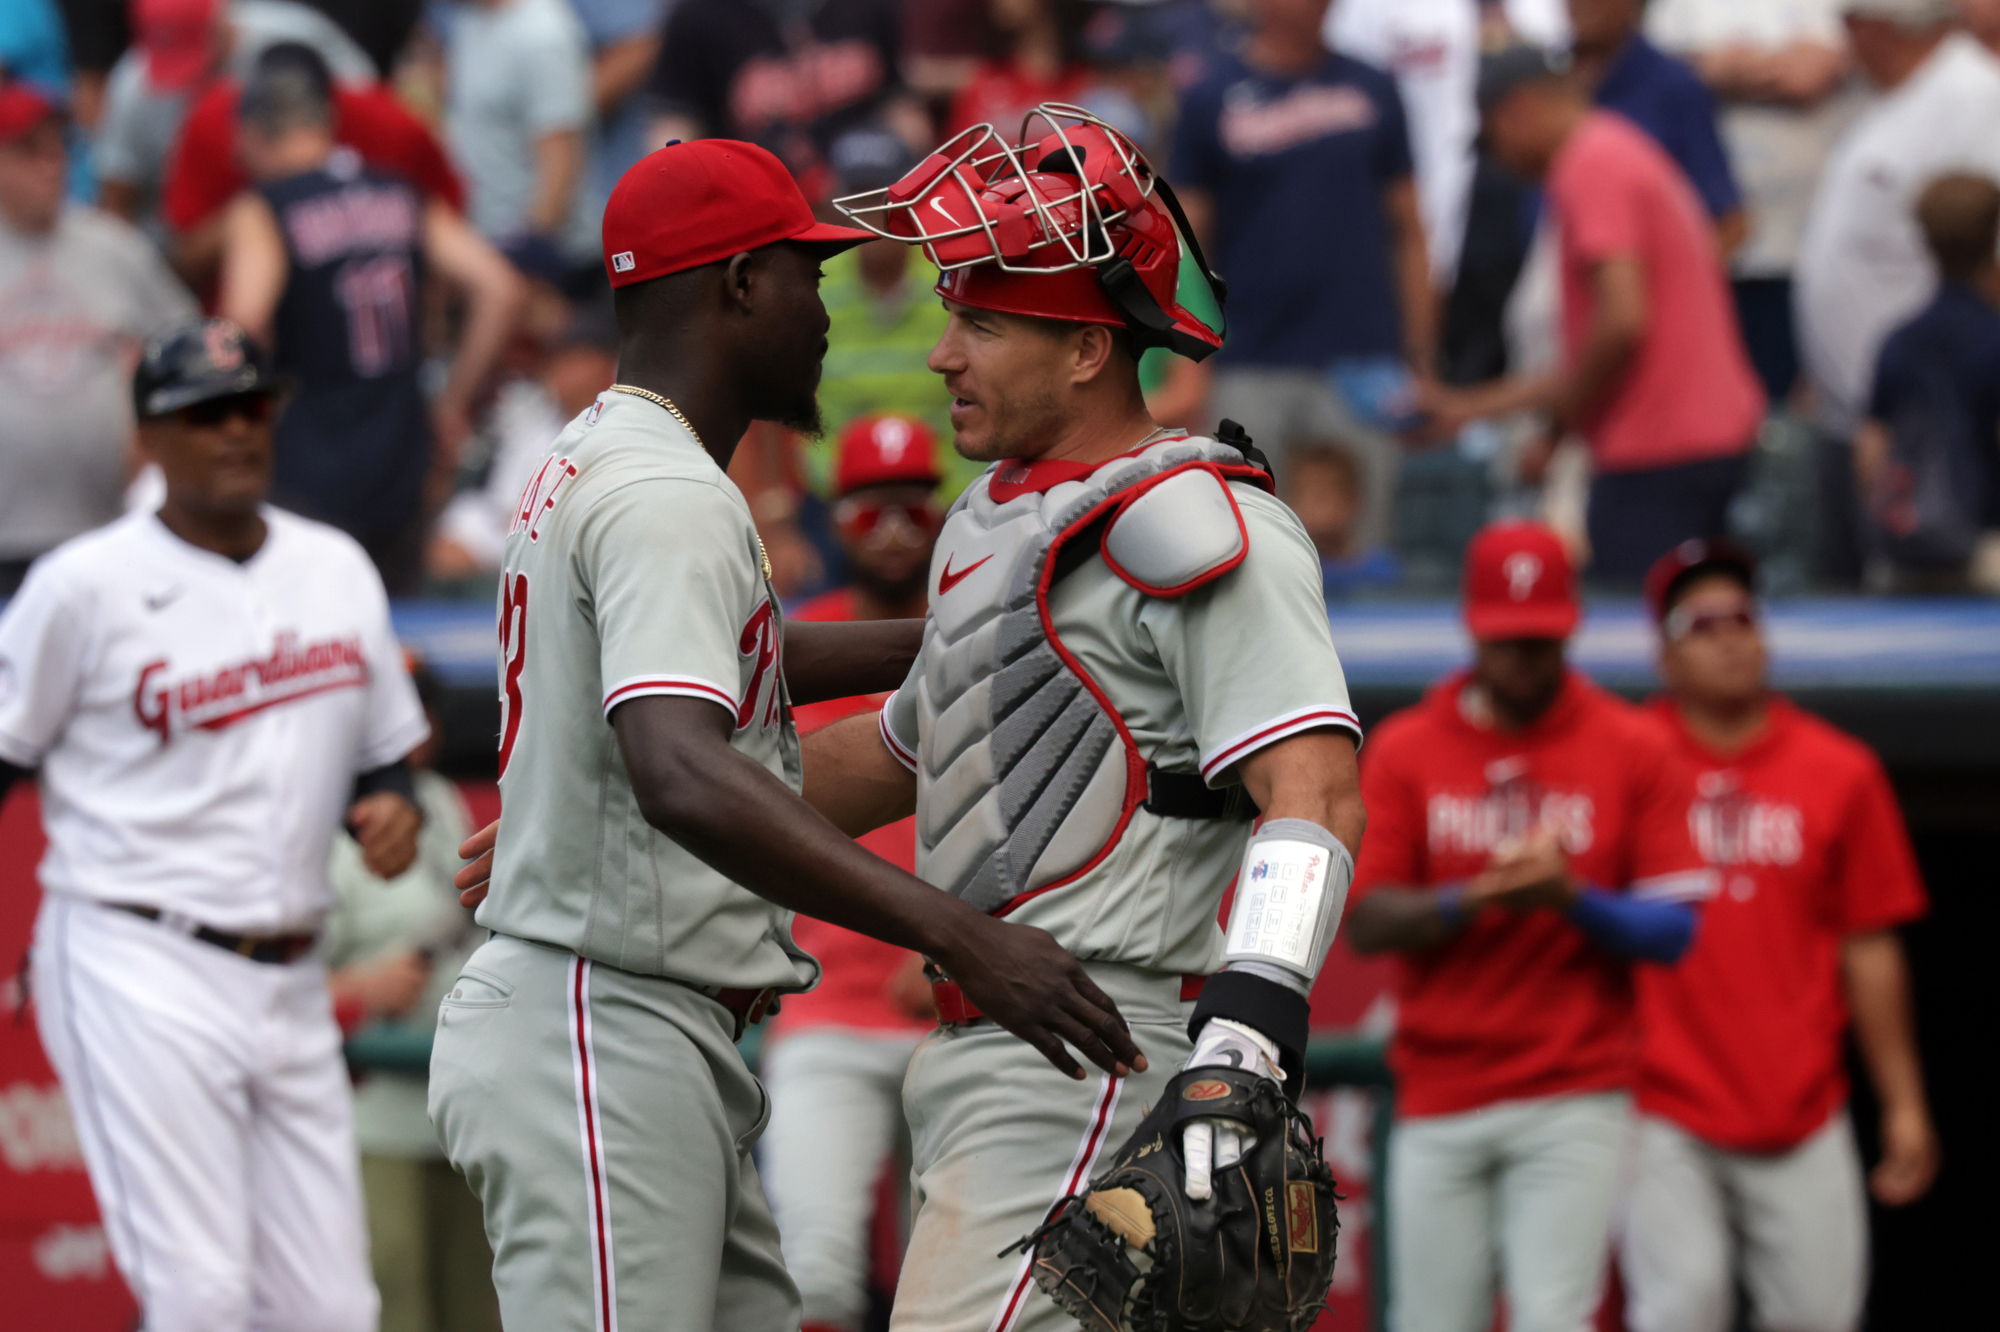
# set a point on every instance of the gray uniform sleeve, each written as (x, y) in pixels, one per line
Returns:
(1251, 653)
(670, 569)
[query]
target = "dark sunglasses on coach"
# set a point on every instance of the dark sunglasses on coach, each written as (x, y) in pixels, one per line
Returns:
(252, 407)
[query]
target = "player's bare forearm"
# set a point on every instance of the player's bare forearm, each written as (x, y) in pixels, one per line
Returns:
(853, 779)
(735, 816)
(1877, 976)
(1311, 777)
(1400, 920)
(840, 660)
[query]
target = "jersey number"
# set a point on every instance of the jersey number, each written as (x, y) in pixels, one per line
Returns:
(376, 295)
(513, 655)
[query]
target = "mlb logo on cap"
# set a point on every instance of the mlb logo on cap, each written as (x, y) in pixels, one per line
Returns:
(622, 262)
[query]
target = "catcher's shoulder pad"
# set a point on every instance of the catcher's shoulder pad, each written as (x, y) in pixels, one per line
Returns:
(1135, 1254)
(1176, 532)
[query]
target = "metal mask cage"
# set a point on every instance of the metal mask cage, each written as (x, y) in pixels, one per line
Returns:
(978, 159)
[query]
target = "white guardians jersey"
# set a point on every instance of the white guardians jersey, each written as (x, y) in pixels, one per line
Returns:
(198, 722)
(1162, 609)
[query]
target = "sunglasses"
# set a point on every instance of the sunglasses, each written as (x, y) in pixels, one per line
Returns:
(866, 522)
(254, 408)
(1683, 622)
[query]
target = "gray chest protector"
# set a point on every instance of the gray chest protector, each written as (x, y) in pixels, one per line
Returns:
(1027, 775)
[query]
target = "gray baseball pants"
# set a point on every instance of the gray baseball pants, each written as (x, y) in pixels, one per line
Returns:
(1521, 1192)
(605, 1120)
(1793, 1224)
(997, 1136)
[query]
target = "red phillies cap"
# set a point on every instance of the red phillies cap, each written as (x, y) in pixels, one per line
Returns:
(178, 37)
(1677, 567)
(1519, 584)
(693, 203)
(885, 451)
(22, 109)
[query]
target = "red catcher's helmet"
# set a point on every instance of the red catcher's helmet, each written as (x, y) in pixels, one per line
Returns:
(1074, 225)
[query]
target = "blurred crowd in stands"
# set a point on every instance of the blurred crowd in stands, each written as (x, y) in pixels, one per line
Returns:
(1673, 268)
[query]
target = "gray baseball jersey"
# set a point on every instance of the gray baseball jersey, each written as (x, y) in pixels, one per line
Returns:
(1199, 680)
(632, 569)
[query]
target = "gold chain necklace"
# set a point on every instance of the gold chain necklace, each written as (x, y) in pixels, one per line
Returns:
(667, 404)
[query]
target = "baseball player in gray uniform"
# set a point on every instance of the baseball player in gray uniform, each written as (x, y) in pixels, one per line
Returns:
(1127, 645)
(585, 1077)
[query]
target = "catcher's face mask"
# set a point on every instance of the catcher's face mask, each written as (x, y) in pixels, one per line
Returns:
(1073, 224)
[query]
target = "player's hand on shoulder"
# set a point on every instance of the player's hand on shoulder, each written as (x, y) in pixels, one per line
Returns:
(1209, 1145)
(475, 877)
(386, 825)
(1025, 981)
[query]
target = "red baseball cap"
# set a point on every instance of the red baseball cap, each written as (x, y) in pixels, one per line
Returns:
(693, 203)
(1519, 584)
(22, 109)
(178, 38)
(1696, 555)
(885, 451)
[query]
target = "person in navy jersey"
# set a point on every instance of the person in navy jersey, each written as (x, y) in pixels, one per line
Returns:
(1662, 96)
(326, 259)
(1294, 163)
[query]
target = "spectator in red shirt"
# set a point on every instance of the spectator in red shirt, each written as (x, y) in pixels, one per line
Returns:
(1525, 844)
(1655, 377)
(1746, 1163)
(1043, 62)
(835, 1065)
(203, 173)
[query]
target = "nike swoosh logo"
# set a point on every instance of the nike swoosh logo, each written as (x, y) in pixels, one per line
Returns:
(949, 580)
(160, 600)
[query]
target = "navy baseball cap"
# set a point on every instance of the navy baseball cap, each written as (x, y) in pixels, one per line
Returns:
(200, 360)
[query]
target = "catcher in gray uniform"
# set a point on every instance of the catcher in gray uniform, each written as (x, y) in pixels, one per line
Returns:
(585, 1077)
(1126, 656)
(1127, 647)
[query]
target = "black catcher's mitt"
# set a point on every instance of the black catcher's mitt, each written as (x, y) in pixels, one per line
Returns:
(1136, 1254)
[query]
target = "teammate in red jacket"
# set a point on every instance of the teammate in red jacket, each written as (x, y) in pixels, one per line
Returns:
(1524, 846)
(835, 1064)
(1746, 1161)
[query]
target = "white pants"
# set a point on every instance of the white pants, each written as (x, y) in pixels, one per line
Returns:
(1795, 1224)
(213, 1110)
(836, 1115)
(1522, 1191)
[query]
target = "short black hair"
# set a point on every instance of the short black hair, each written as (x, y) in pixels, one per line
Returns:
(289, 88)
(1719, 567)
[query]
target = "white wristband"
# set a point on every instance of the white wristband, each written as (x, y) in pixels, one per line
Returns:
(1290, 893)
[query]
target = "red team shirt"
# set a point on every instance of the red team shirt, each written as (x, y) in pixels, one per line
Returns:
(1742, 1040)
(202, 174)
(853, 988)
(1519, 1004)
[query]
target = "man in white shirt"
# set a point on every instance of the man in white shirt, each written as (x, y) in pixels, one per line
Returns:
(206, 693)
(1781, 71)
(1862, 267)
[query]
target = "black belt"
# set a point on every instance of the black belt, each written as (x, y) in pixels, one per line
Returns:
(1184, 795)
(275, 949)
